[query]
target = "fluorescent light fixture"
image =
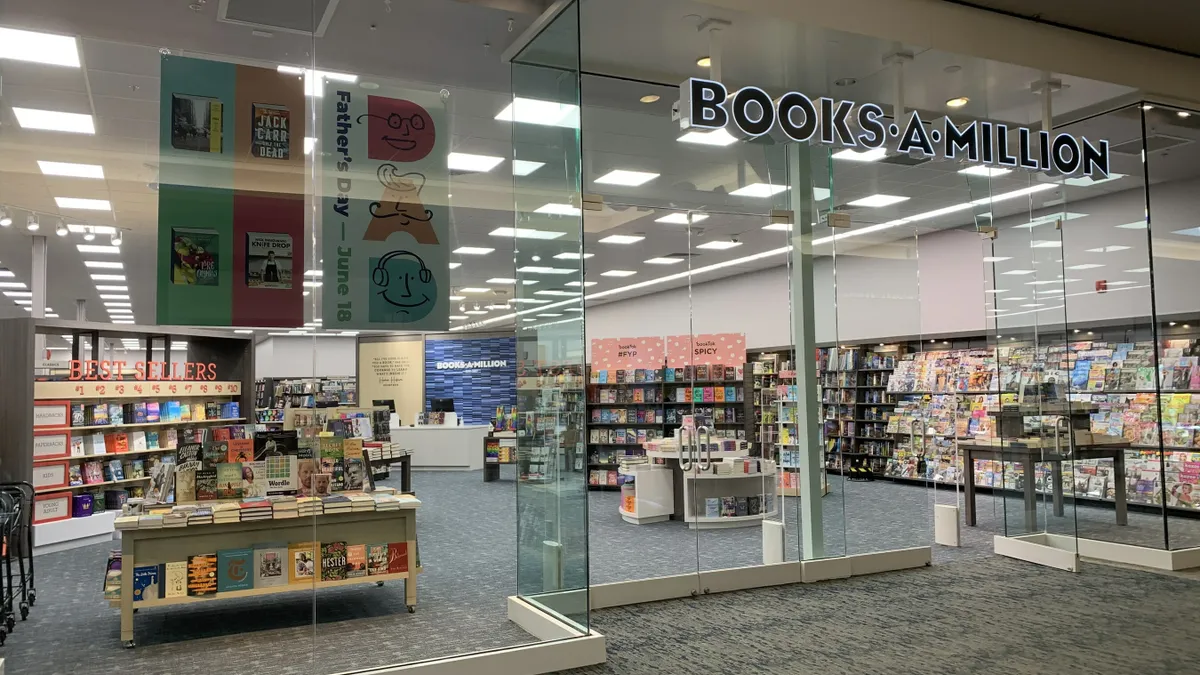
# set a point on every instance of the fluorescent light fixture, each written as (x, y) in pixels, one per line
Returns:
(997, 258)
(68, 169)
(681, 218)
(97, 248)
(996, 290)
(1108, 249)
(473, 289)
(113, 296)
(497, 307)
(1051, 291)
(586, 284)
(525, 233)
(502, 281)
(785, 227)
(1047, 282)
(108, 277)
(759, 190)
(550, 314)
(51, 315)
(1018, 272)
(51, 50)
(243, 331)
(626, 178)
(1088, 181)
(564, 294)
(112, 288)
(312, 284)
(104, 264)
(537, 111)
(461, 161)
(872, 155)
(1085, 266)
(622, 239)
(12, 284)
(558, 209)
(117, 304)
(1121, 283)
(475, 311)
(524, 167)
(83, 204)
(309, 144)
(6, 274)
(456, 298)
(719, 245)
(455, 265)
(1190, 232)
(537, 269)
(313, 85)
(129, 321)
(23, 301)
(573, 256)
(459, 317)
(717, 137)
(1139, 270)
(1046, 243)
(1141, 225)
(1050, 218)
(119, 310)
(472, 250)
(877, 201)
(980, 170)
(663, 261)
(19, 294)
(618, 273)
(52, 120)
(530, 301)
(1023, 192)
(528, 320)
(1034, 304)
(314, 273)
(91, 229)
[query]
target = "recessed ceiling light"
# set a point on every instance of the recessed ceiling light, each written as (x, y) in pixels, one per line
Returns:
(704, 62)
(12, 284)
(528, 320)
(558, 210)
(502, 281)
(243, 331)
(45, 48)
(1034, 304)
(1047, 282)
(563, 294)
(1018, 272)
(475, 311)
(83, 204)
(497, 307)
(456, 298)
(472, 250)
(69, 169)
(1020, 192)
(312, 284)
(97, 248)
(573, 256)
(1121, 283)
(545, 113)
(19, 294)
(525, 233)
(1108, 249)
(994, 258)
(1146, 106)
(23, 301)
(622, 239)
(51, 120)
(1183, 113)
(981, 170)
(872, 155)
(957, 102)
(585, 284)
(1051, 291)
(454, 265)
(649, 98)
(625, 177)
(759, 190)
(529, 301)
(123, 321)
(663, 261)
(314, 79)
(1190, 232)
(1012, 299)
(1136, 225)
(305, 293)
(459, 317)
(783, 227)
(524, 167)
(117, 304)
(618, 273)
(718, 137)
(681, 218)
(6, 274)
(474, 289)
(114, 296)
(1138, 270)
(1085, 266)
(538, 269)
(1046, 243)
(720, 245)
(314, 273)
(996, 290)
(104, 264)
(550, 314)
(877, 201)
(309, 143)
(461, 161)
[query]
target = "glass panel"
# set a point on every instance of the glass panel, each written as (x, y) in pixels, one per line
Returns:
(549, 252)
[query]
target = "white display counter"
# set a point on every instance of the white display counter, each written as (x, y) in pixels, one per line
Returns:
(445, 448)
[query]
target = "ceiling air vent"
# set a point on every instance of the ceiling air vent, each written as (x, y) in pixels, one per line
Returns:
(904, 160)
(311, 17)
(1154, 143)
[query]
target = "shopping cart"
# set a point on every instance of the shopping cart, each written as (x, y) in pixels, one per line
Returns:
(16, 546)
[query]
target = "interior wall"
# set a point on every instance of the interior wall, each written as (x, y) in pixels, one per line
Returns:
(304, 357)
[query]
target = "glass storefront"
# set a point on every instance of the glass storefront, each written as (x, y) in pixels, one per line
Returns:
(317, 293)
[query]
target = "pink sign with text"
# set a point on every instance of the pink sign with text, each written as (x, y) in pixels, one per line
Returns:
(728, 349)
(627, 353)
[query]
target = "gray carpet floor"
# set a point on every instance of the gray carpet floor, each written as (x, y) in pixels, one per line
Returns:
(469, 531)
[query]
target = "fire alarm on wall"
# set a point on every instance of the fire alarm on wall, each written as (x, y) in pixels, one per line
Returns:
(1102, 286)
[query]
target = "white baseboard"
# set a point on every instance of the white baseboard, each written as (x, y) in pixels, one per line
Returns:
(534, 659)
(1142, 556)
(759, 576)
(621, 593)
(1038, 548)
(825, 569)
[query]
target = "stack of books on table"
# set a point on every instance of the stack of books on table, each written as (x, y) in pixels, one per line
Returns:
(150, 522)
(201, 516)
(176, 518)
(309, 506)
(256, 509)
(360, 501)
(226, 512)
(385, 502)
(126, 522)
(284, 506)
(336, 504)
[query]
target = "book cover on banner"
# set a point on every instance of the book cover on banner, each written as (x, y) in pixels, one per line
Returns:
(268, 260)
(197, 123)
(270, 131)
(194, 257)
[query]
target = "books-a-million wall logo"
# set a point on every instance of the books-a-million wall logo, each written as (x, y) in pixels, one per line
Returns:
(384, 210)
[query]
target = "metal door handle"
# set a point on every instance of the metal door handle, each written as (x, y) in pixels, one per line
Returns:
(704, 434)
(685, 449)
(1058, 423)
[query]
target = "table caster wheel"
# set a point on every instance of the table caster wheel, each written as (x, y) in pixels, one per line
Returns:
(412, 609)
(379, 583)
(128, 644)
(24, 611)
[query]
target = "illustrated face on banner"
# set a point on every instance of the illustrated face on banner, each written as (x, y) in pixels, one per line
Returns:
(400, 209)
(398, 130)
(402, 288)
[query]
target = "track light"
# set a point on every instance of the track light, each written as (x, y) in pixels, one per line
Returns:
(117, 238)
(5, 219)
(32, 223)
(89, 235)
(462, 307)
(61, 228)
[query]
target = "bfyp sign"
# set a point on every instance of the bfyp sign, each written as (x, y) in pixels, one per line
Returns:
(751, 112)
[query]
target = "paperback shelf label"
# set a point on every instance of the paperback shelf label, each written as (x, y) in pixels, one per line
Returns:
(384, 213)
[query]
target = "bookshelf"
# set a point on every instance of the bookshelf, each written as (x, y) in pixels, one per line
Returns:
(855, 407)
(279, 393)
(550, 425)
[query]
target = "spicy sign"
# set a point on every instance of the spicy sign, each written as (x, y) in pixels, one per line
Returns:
(90, 369)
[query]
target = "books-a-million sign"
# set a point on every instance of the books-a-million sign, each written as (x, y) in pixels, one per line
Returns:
(751, 112)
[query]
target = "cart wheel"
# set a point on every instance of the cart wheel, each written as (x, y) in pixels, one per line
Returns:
(32, 597)
(24, 611)
(379, 583)
(412, 609)
(3, 637)
(128, 644)
(11, 623)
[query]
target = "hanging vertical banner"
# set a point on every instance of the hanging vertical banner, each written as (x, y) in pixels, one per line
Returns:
(384, 215)
(230, 194)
